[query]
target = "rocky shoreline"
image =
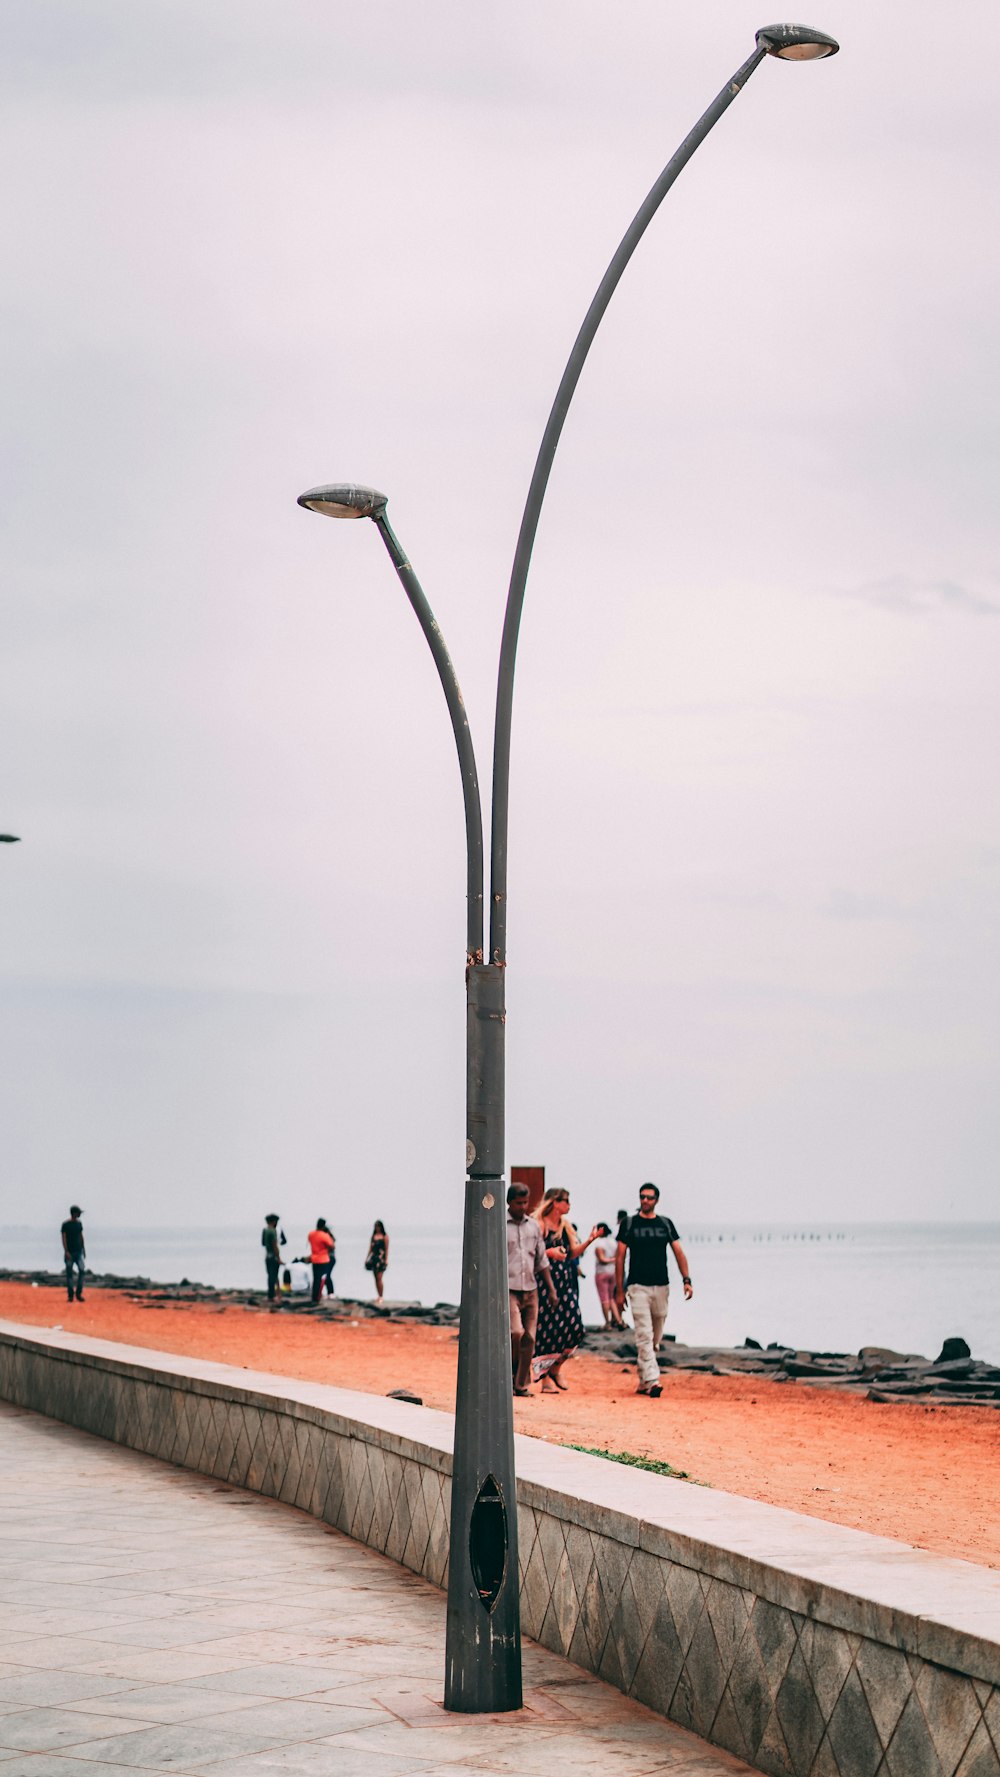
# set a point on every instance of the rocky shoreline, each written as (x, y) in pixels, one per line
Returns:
(954, 1378)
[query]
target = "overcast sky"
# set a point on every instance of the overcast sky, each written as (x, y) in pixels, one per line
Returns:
(755, 847)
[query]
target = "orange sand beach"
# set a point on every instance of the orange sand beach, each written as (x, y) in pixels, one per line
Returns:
(927, 1475)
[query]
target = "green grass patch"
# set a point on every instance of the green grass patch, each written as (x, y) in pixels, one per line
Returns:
(648, 1463)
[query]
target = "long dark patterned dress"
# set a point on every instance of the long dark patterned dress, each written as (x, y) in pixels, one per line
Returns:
(560, 1324)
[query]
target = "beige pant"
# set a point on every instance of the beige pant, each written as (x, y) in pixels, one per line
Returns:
(523, 1321)
(648, 1302)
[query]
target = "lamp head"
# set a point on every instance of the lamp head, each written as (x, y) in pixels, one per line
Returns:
(796, 43)
(344, 500)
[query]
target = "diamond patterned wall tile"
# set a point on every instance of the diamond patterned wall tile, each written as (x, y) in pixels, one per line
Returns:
(399, 1527)
(952, 1711)
(728, 1610)
(419, 1532)
(550, 1634)
(185, 1420)
(752, 1694)
(239, 1467)
(296, 1443)
(326, 1446)
(647, 1575)
(772, 1754)
(435, 1566)
(774, 1633)
(226, 1444)
(991, 1716)
(364, 1498)
(257, 1466)
(214, 1431)
(551, 1543)
(702, 1680)
(629, 1630)
(251, 1421)
(527, 1529)
(887, 1682)
(799, 1715)
(911, 1748)
(564, 1604)
(196, 1447)
(595, 1615)
(829, 1654)
(333, 1504)
(378, 1530)
(580, 1552)
(430, 1486)
(535, 1590)
(686, 1598)
(825, 1765)
(308, 1440)
(854, 1736)
(728, 1728)
(980, 1757)
(292, 1471)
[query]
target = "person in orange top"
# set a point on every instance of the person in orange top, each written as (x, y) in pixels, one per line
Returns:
(321, 1250)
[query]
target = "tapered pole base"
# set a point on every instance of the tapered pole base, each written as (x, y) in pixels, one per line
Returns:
(483, 1651)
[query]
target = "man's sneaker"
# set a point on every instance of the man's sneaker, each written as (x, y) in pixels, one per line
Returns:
(655, 1390)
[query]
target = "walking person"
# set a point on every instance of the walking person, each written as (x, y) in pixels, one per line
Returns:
(560, 1323)
(272, 1241)
(74, 1252)
(526, 1263)
(378, 1257)
(605, 1249)
(643, 1240)
(321, 1245)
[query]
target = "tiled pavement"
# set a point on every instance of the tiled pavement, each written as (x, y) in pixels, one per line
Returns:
(154, 1620)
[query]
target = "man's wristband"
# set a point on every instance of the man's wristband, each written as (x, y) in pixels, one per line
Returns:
(685, 1280)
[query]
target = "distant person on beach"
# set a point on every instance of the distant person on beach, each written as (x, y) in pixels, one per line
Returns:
(272, 1241)
(378, 1257)
(560, 1323)
(643, 1241)
(321, 1245)
(605, 1249)
(74, 1251)
(526, 1263)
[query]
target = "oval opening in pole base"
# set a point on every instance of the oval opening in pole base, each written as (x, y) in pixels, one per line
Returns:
(488, 1542)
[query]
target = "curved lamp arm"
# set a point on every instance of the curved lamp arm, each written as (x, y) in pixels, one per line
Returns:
(539, 483)
(460, 727)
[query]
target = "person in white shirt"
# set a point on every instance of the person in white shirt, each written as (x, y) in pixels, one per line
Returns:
(605, 1249)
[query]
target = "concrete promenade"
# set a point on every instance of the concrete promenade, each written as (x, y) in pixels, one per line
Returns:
(156, 1620)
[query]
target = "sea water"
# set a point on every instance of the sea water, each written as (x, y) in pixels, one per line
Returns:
(818, 1288)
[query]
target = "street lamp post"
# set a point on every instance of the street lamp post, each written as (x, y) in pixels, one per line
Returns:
(483, 1652)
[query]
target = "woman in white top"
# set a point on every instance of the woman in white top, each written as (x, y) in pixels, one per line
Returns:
(604, 1274)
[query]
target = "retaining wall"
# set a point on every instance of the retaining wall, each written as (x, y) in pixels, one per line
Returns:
(807, 1649)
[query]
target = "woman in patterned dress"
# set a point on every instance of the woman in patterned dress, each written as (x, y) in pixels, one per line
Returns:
(560, 1325)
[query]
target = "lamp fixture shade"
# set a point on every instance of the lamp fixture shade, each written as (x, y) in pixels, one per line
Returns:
(796, 43)
(344, 500)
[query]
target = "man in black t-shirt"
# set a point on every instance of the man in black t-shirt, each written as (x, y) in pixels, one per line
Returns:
(643, 1240)
(74, 1251)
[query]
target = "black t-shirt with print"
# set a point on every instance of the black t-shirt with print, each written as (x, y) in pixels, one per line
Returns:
(647, 1239)
(72, 1232)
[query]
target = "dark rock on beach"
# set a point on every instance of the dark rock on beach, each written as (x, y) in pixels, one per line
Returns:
(876, 1371)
